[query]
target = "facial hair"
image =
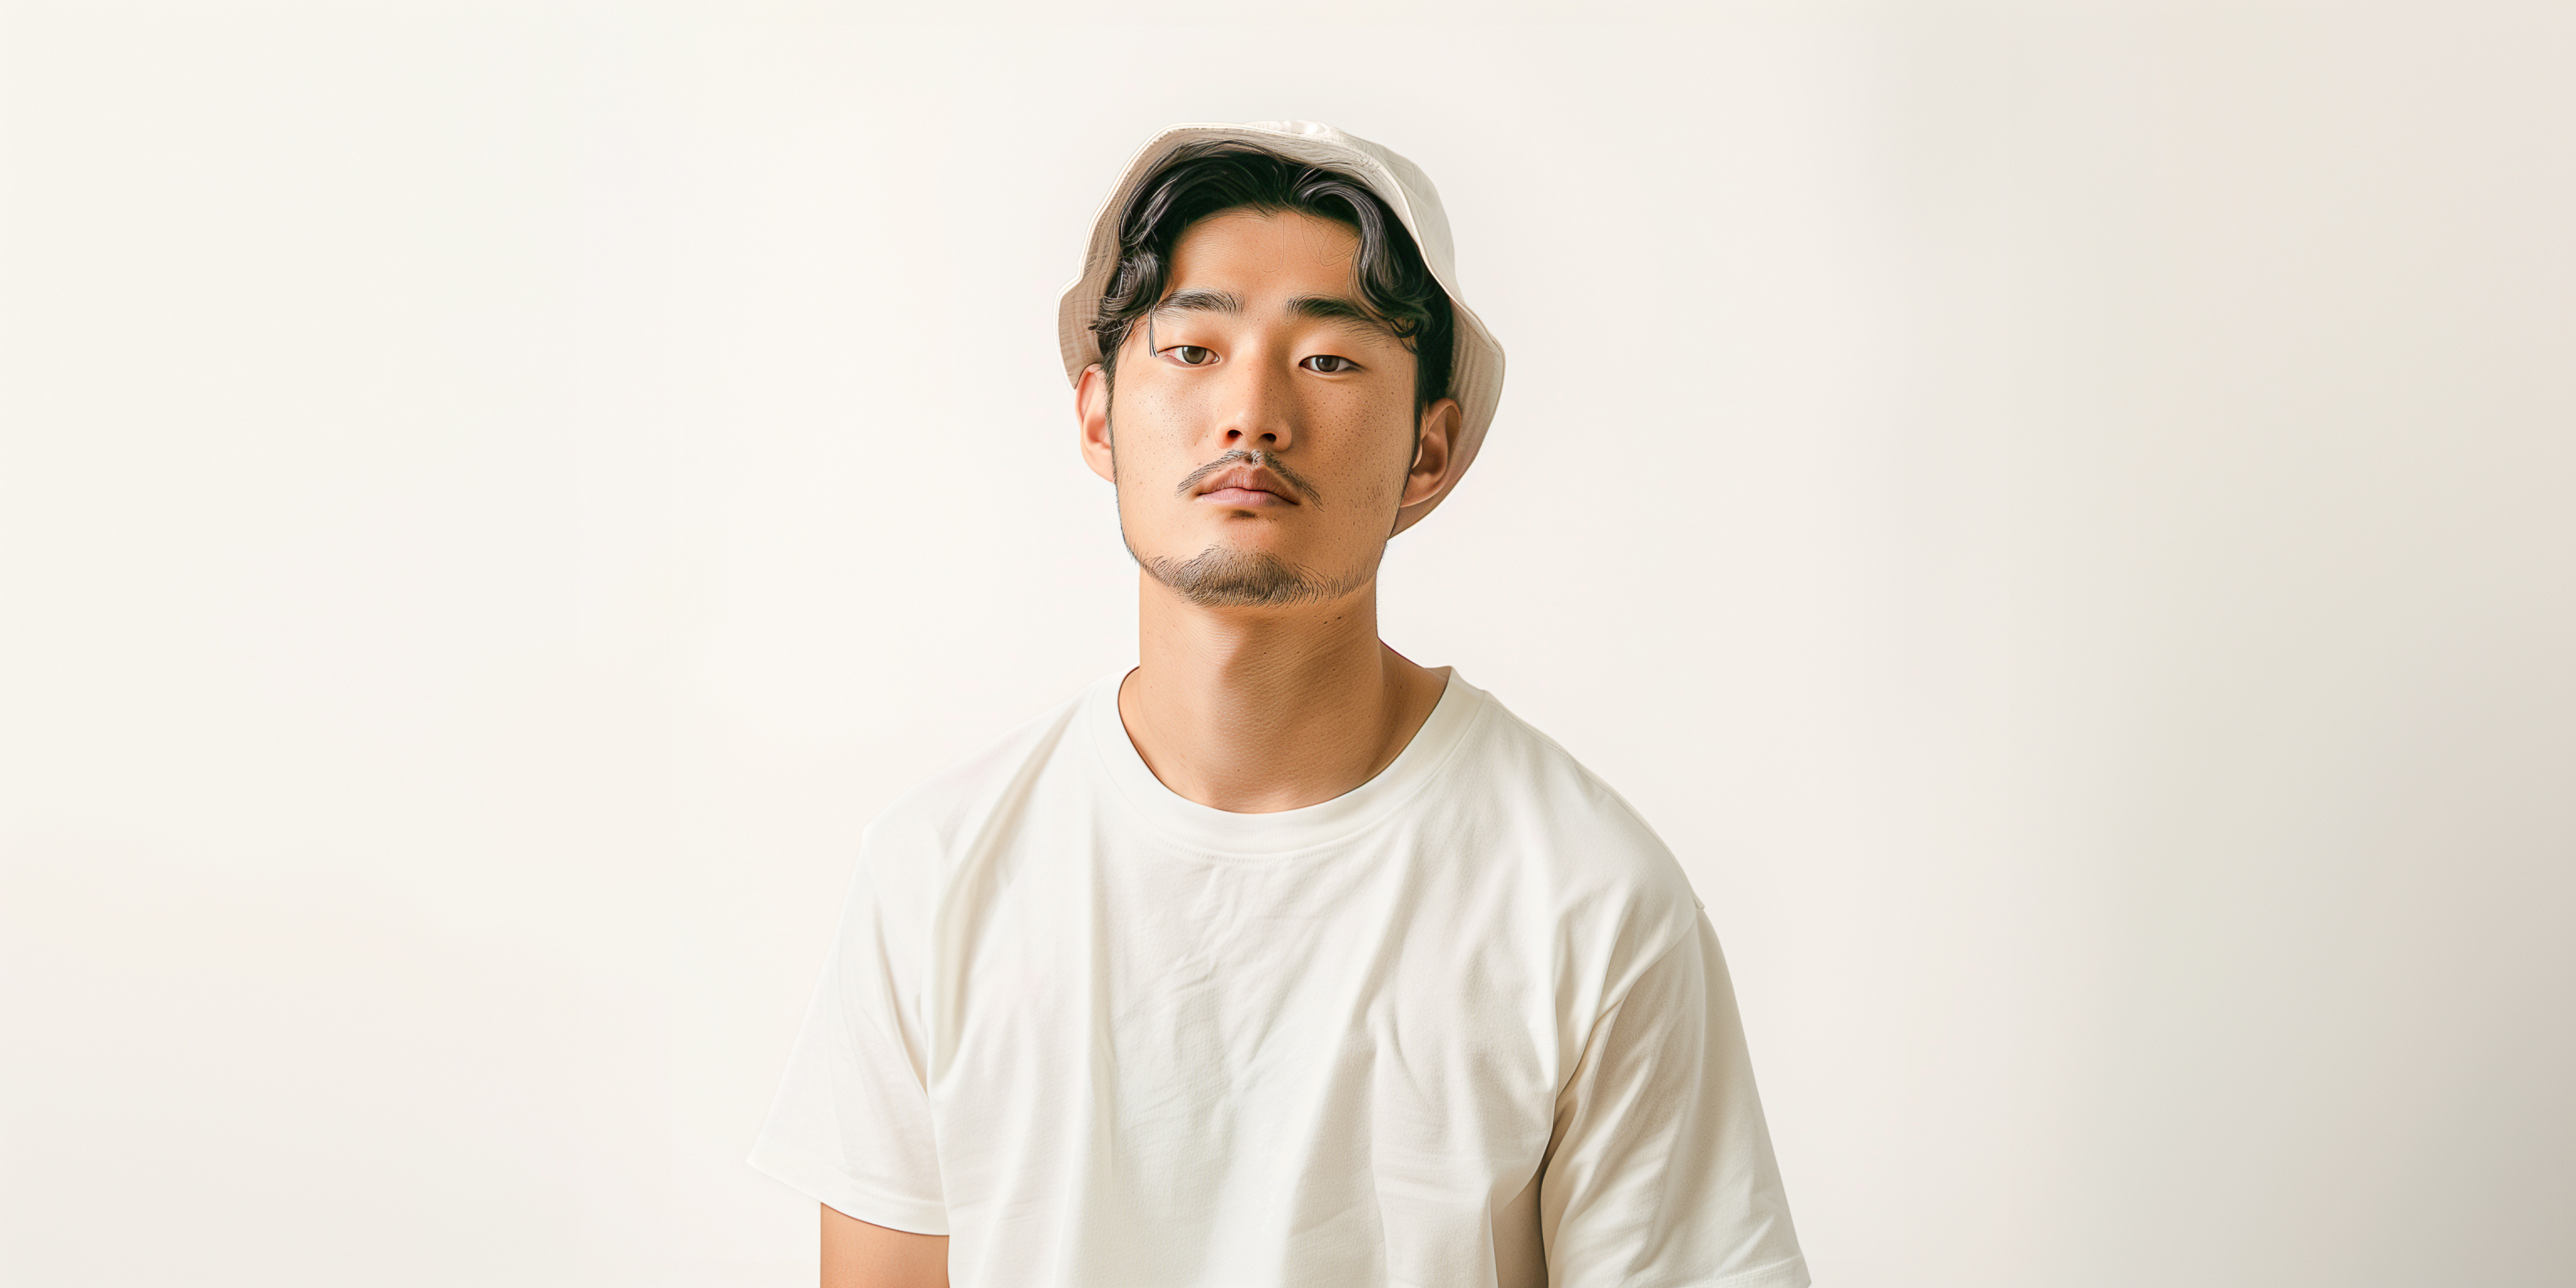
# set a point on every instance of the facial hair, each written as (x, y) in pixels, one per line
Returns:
(1219, 577)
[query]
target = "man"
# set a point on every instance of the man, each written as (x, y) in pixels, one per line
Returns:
(1279, 959)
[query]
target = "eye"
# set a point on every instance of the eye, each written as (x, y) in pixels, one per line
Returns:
(1190, 355)
(1329, 364)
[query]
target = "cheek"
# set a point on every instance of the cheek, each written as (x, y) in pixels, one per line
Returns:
(1371, 448)
(1150, 437)
(1160, 417)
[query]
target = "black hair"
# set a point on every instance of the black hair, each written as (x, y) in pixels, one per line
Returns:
(1202, 179)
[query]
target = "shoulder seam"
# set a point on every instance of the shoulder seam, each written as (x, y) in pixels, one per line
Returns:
(1585, 770)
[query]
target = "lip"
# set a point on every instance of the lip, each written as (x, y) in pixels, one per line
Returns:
(1245, 485)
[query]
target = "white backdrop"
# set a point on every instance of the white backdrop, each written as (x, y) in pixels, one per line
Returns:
(2062, 517)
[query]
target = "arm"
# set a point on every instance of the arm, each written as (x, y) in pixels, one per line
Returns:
(859, 1255)
(1660, 1170)
(851, 1127)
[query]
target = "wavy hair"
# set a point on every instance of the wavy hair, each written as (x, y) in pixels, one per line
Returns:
(1204, 179)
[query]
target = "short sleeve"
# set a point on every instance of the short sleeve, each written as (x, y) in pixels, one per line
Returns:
(1660, 1173)
(851, 1125)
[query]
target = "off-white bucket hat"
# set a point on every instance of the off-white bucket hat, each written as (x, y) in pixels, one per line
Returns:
(1476, 373)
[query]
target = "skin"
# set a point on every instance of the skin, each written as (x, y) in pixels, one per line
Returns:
(1258, 709)
(1247, 708)
(859, 1255)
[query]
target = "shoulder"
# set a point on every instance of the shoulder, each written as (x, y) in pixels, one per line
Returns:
(1540, 789)
(1613, 879)
(918, 836)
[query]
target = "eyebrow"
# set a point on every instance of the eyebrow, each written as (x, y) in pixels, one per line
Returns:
(1334, 308)
(1329, 308)
(1200, 300)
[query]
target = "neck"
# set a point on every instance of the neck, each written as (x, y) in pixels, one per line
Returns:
(1258, 710)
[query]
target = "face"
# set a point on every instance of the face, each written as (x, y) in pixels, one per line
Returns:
(1262, 432)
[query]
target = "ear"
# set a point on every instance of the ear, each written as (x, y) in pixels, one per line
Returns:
(1429, 476)
(1091, 407)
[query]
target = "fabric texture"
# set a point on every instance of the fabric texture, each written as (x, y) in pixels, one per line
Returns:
(1463, 1025)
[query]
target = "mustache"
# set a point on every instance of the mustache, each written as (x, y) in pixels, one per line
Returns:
(1270, 461)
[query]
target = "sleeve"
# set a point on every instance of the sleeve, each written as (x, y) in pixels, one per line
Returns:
(1659, 1171)
(851, 1125)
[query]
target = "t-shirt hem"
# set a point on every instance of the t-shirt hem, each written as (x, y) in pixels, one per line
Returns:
(910, 1215)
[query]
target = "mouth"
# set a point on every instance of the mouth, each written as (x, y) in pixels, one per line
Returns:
(1244, 496)
(1237, 485)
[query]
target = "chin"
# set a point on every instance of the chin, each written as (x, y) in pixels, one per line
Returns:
(1230, 574)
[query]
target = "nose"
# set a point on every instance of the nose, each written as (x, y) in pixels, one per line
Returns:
(1257, 413)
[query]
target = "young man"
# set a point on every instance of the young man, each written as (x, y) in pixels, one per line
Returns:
(1279, 959)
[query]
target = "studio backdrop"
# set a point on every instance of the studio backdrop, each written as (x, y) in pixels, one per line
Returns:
(2060, 516)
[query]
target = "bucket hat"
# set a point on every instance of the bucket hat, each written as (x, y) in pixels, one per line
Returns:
(1476, 371)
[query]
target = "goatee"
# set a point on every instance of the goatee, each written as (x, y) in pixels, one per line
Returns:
(1218, 577)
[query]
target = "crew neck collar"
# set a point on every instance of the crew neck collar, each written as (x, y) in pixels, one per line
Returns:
(1223, 832)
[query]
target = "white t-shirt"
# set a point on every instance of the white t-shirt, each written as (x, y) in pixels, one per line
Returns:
(1464, 1025)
